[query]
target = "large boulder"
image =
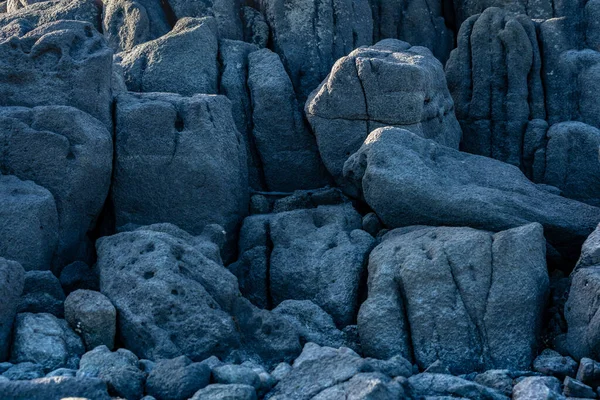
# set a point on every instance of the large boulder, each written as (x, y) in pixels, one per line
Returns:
(58, 387)
(287, 149)
(183, 61)
(225, 12)
(28, 223)
(177, 379)
(495, 80)
(486, 309)
(12, 279)
(311, 254)
(43, 12)
(42, 293)
(93, 316)
(45, 340)
(59, 63)
(179, 160)
(174, 297)
(408, 180)
(310, 36)
(388, 84)
(69, 153)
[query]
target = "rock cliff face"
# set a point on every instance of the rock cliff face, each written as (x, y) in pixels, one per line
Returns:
(299, 199)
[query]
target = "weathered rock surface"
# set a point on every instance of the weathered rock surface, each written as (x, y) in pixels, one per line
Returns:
(388, 84)
(225, 13)
(408, 180)
(488, 288)
(12, 280)
(59, 387)
(177, 379)
(219, 391)
(428, 384)
(311, 254)
(69, 153)
(43, 12)
(173, 297)
(61, 63)
(28, 223)
(310, 36)
(42, 293)
(178, 160)
(161, 65)
(287, 150)
(93, 316)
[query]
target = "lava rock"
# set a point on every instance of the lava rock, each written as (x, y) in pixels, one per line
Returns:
(59, 387)
(538, 388)
(427, 384)
(552, 363)
(225, 392)
(388, 84)
(589, 372)
(93, 316)
(44, 12)
(225, 12)
(42, 293)
(477, 290)
(12, 281)
(24, 371)
(575, 388)
(78, 275)
(177, 379)
(231, 374)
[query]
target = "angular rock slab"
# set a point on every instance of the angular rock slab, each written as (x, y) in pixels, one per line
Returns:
(225, 12)
(60, 63)
(485, 311)
(183, 61)
(174, 297)
(388, 84)
(311, 254)
(408, 180)
(12, 280)
(28, 223)
(310, 36)
(495, 80)
(69, 153)
(179, 160)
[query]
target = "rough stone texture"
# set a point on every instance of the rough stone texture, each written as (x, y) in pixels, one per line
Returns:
(93, 316)
(69, 153)
(28, 223)
(127, 23)
(388, 84)
(589, 372)
(225, 392)
(12, 280)
(225, 13)
(42, 293)
(58, 387)
(78, 275)
(427, 384)
(118, 369)
(311, 254)
(573, 388)
(230, 374)
(494, 77)
(365, 386)
(183, 61)
(177, 379)
(24, 371)
(552, 363)
(60, 63)
(44, 12)
(287, 150)
(408, 180)
(178, 160)
(45, 340)
(310, 36)
(581, 313)
(418, 22)
(489, 287)
(256, 29)
(174, 297)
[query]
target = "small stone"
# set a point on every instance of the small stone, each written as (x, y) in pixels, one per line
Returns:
(259, 204)
(42, 294)
(537, 388)
(281, 370)
(552, 363)
(236, 374)
(589, 372)
(575, 388)
(92, 315)
(78, 275)
(177, 379)
(371, 224)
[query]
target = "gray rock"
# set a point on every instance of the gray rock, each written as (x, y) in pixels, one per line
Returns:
(583, 336)
(177, 379)
(311, 254)
(485, 297)
(427, 384)
(127, 23)
(255, 27)
(286, 148)
(231, 374)
(589, 372)
(82, 79)
(12, 280)
(45, 340)
(233, 56)
(538, 388)
(64, 150)
(281, 370)
(28, 223)
(259, 204)
(62, 372)
(225, 392)
(310, 36)
(422, 182)
(15, 5)
(501, 380)
(42, 293)
(225, 12)
(183, 61)
(179, 160)
(388, 84)
(371, 385)
(40, 13)
(371, 224)
(496, 46)
(312, 323)
(419, 22)
(78, 275)
(327, 196)
(118, 369)
(59, 387)
(394, 367)
(592, 33)
(93, 316)
(575, 388)
(552, 363)
(174, 297)
(24, 371)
